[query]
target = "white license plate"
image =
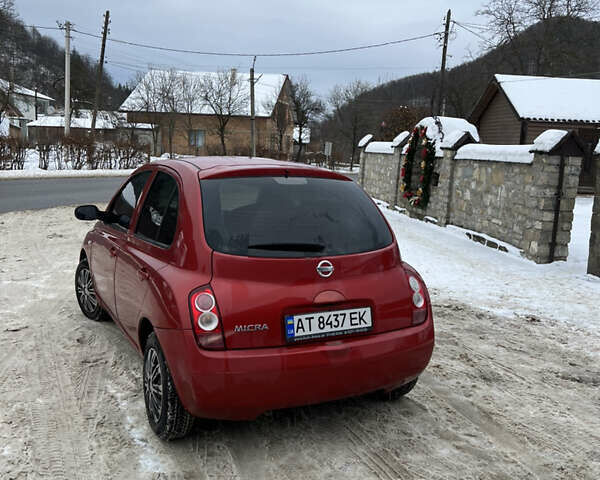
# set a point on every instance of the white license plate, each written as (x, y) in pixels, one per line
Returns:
(327, 324)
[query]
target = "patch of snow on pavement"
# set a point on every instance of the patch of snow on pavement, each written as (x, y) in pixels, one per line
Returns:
(456, 268)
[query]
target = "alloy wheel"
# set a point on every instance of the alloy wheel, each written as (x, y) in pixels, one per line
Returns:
(153, 384)
(86, 292)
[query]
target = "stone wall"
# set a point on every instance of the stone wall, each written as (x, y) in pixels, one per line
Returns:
(512, 199)
(515, 202)
(379, 175)
(594, 258)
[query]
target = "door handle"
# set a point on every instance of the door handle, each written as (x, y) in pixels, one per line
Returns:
(113, 251)
(143, 274)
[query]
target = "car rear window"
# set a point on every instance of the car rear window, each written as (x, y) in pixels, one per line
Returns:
(290, 217)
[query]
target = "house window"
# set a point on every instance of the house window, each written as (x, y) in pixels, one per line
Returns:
(196, 138)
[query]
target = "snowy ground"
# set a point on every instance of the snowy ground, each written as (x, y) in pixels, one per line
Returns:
(512, 390)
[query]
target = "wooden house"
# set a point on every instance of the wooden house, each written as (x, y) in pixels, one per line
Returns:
(515, 109)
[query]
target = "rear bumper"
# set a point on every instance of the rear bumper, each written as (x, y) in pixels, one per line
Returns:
(242, 384)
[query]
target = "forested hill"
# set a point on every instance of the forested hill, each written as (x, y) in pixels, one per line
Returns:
(559, 47)
(38, 61)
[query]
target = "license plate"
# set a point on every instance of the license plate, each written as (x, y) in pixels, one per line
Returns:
(327, 324)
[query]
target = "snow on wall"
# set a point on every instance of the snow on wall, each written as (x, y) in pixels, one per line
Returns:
(380, 147)
(363, 141)
(400, 138)
(548, 140)
(544, 143)
(440, 127)
(496, 153)
(553, 99)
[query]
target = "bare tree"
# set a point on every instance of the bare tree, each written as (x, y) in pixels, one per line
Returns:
(147, 101)
(281, 115)
(508, 18)
(350, 113)
(306, 107)
(168, 84)
(190, 88)
(226, 95)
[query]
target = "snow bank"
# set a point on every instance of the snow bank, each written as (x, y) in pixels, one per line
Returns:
(455, 267)
(39, 173)
(105, 120)
(380, 147)
(496, 153)
(363, 141)
(553, 99)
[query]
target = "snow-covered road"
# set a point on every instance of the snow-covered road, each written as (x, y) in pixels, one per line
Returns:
(513, 390)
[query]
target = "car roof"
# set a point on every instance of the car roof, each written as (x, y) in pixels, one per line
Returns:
(220, 167)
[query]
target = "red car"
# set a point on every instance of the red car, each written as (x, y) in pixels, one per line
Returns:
(251, 285)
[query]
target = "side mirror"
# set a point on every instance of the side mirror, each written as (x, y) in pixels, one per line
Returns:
(124, 221)
(88, 212)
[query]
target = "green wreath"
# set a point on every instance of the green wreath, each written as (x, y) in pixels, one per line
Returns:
(419, 146)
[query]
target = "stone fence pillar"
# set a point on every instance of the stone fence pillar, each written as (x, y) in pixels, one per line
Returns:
(551, 228)
(594, 258)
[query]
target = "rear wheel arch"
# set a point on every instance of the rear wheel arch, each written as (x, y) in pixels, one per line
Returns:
(145, 329)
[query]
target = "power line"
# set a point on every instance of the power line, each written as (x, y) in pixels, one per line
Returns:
(282, 54)
(471, 31)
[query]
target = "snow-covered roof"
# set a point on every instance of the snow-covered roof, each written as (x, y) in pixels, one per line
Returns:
(440, 127)
(496, 153)
(380, 147)
(400, 139)
(553, 99)
(4, 86)
(105, 120)
(363, 141)
(305, 135)
(267, 87)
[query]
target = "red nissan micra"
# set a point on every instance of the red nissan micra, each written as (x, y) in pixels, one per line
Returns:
(251, 285)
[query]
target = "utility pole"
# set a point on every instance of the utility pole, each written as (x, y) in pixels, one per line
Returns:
(99, 76)
(35, 105)
(67, 78)
(441, 106)
(252, 119)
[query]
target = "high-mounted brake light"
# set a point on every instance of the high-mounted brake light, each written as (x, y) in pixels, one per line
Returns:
(205, 319)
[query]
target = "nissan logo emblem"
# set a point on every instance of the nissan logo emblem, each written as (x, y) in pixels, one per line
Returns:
(325, 268)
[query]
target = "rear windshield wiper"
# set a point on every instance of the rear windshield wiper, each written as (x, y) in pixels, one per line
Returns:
(289, 247)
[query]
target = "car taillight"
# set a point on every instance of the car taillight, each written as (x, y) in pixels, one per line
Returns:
(419, 299)
(206, 321)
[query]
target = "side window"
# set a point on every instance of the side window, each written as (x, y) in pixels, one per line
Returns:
(125, 203)
(158, 217)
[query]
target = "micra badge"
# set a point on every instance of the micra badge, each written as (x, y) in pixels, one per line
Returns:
(258, 327)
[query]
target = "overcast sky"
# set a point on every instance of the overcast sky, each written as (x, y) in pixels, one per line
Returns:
(264, 26)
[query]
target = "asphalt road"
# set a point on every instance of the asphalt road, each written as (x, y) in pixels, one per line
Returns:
(33, 194)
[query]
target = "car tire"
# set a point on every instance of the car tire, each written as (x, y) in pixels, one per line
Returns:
(86, 294)
(400, 391)
(166, 414)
